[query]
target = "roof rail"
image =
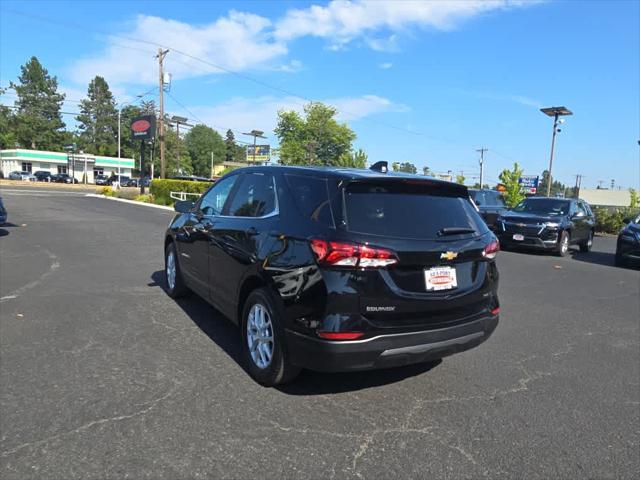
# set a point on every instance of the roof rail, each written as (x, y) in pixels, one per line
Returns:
(382, 167)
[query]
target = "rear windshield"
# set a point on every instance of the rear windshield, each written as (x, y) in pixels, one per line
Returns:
(418, 214)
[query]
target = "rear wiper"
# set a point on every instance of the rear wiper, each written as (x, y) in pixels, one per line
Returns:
(454, 231)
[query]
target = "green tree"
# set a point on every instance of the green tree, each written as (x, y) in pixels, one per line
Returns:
(406, 167)
(634, 200)
(315, 138)
(460, 179)
(38, 122)
(98, 119)
(357, 159)
(173, 165)
(201, 141)
(556, 187)
(7, 125)
(513, 190)
(230, 146)
(426, 171)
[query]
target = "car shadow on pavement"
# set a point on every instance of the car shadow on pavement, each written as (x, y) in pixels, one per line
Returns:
(597, 258)
(3, 232)
(227, 336)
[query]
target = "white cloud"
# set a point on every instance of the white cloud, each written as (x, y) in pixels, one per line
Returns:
(240, 41)
(385, 65)
(236, 42)
(341, 21)
(261, 113)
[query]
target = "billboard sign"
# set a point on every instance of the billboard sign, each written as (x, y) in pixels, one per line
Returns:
(529, 183)
(262, 153)
(143, 128)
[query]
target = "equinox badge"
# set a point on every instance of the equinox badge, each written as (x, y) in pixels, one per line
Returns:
(448, 255)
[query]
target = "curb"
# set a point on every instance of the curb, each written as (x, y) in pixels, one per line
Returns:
(133, 202)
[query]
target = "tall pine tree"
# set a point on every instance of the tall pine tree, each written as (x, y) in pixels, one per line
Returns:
(38, 122)
(98, 120)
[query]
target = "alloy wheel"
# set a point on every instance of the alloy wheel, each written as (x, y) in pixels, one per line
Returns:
(171, 269)
(260, 336)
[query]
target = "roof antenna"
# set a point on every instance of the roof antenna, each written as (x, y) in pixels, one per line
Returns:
(382, 167)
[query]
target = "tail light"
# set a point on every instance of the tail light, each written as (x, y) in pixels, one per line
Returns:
(491, 251)
(342, 254)
(495, 311)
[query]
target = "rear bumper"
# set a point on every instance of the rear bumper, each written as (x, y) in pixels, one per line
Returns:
(387, 350)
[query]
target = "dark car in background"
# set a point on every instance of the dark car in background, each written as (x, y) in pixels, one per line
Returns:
(123, 180)
(337, 269)
(192, 178)
(628, 244)
(43, 176)
(490, 204)
(63, 178)
(551, 224)
(101, 179)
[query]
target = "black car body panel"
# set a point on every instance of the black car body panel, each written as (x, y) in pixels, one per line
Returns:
(537, 222)
(628, 243)
(490, 204)
(224, 256)
(43, 176)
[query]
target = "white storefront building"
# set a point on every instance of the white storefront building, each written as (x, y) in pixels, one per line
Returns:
(75, 164)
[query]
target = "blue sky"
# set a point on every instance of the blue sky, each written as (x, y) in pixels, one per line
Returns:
(425, 82)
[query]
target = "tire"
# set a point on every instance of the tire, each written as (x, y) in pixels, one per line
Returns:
(176, 287)
(263, 348)
(587, 244)
(562, 249)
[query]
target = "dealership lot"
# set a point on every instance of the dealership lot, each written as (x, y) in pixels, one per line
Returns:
(102, 375)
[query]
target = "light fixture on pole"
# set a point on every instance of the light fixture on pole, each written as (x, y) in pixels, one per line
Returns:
(554, 112)
(255, 134)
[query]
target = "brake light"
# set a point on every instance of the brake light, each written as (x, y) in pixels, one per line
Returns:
(342, 254)
(491, 251)
(495, 311)
(340, 335)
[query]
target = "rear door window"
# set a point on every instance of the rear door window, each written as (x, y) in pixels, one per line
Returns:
(396, 211)
(311, 198)
(254, 197)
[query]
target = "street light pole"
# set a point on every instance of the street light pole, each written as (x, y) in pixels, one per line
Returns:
(481, 151)
(255, 134)
(554, 112)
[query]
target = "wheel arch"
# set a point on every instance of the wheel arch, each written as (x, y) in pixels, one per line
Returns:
(249, 284)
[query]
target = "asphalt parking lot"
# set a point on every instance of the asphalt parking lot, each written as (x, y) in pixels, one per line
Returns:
(102, 375)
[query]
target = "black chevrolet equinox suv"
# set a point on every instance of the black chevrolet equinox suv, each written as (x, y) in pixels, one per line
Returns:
(337, 269)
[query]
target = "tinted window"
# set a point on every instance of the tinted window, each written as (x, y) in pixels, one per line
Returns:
(254, 197)
(213, 201)
(497, 199)
(379, 210)
(581, 208)
(544, 206)
(311, 198)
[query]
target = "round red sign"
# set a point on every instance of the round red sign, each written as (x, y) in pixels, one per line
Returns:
(140, 126)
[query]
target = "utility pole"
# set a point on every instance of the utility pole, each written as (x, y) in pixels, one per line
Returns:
(160, 57)
(255, 134)
(481, 151)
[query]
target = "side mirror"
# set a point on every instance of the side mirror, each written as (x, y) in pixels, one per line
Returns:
(626, 220)
(578, 215)
(183, 206)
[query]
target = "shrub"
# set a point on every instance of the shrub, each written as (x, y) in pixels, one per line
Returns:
(127, 193)
(147, 198)
(610, 220)
(161, 189)
(106, 191)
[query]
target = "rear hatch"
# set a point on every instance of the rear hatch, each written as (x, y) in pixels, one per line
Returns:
(442, 274)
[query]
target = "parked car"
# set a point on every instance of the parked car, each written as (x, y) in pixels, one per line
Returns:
(43, 176)
(628, 244)
(144, 182)
(132, 182)
(490, 204)
(101, 179)
(24, 176)
(63, 178)
(548, 223)
(123, 180)
(3, 213)
(337, 269)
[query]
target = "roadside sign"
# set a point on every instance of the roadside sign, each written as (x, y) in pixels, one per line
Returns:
(529, 183)
(143, 127)
(262, 153)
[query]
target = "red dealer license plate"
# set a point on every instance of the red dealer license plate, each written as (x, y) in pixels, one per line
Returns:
(440, 278)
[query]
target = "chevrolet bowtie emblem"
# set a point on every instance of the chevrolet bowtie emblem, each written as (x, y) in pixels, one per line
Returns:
(448, 255)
